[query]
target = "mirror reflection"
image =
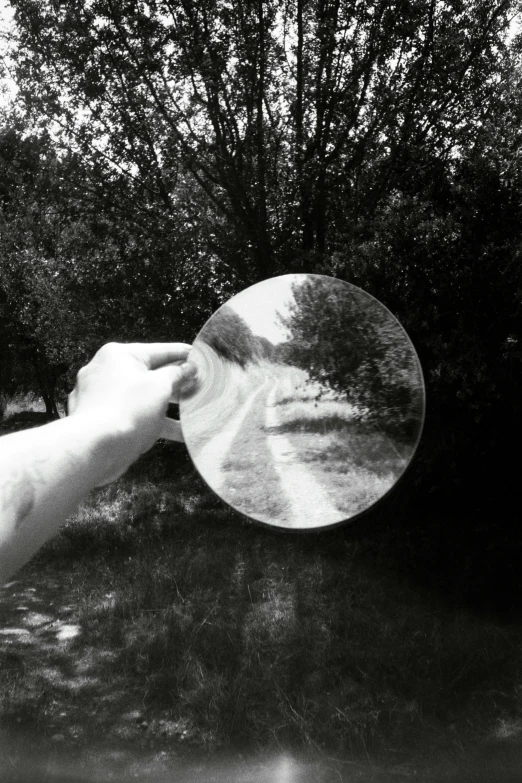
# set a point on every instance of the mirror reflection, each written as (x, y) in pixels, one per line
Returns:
(310, 402)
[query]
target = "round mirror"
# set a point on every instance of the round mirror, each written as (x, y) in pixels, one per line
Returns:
(309, 405)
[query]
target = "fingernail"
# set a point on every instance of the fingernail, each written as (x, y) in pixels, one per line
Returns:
(189, 368)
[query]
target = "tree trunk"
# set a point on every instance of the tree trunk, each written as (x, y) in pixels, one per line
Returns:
(264, 250)
(46, 379)
(320, 211)
(50, 405)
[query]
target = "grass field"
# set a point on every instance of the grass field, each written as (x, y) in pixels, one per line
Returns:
(158, 618)
(356, 462)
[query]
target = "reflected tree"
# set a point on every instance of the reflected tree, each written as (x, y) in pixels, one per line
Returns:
(229, 336)
(349, 342)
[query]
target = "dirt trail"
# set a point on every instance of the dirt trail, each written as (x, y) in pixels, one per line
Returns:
(308, 502)
(295, 478)
(212, 457)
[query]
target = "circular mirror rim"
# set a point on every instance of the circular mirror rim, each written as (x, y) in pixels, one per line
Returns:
(372, 506)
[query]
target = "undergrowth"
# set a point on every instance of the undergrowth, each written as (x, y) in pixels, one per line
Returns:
(237, 635)
(251, 637)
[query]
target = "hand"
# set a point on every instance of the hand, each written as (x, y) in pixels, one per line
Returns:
(125, 389)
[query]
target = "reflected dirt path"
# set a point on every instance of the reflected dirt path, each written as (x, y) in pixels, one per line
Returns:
(307, 501)
(299, 461)
(282, 448)
(210, 459)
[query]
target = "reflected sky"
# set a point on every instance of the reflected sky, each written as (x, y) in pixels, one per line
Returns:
(253, 309)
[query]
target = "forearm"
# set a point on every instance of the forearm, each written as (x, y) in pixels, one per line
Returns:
(118, 409)
(45, 473)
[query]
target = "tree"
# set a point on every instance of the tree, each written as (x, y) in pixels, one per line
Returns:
(230, 337)
(447, 263)
(288, 119)
(233, 340)
(65, 259)
(347, 341)
(25, 363)
(209, 147)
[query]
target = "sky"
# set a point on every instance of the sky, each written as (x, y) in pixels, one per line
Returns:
(259, 304)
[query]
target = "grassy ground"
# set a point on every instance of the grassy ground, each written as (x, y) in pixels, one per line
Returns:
(159, 618)
(354, 461)
(252, 484)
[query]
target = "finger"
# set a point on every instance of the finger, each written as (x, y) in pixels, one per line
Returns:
(188, 383)
(172, 431)
(155, 355)
(172, 377)
(187, 388)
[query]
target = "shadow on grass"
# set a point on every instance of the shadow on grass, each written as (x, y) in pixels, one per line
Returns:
(340, 445)
(403, 433)
(322, 425)
(200, 630)
(302, 397)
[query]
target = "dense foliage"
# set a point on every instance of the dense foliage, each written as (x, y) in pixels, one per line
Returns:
(230, 337)
(199, 149)
(348, 341)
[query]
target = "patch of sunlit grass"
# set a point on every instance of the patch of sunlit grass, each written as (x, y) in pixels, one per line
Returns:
(20, 403)
(252, 484)
(508, 728)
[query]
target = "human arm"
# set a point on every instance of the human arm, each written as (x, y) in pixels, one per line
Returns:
(117, 412)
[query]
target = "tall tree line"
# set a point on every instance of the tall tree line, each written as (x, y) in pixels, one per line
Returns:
(284, 117)
(198, 148)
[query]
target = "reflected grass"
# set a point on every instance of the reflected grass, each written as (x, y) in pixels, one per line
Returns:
(355, 461)
(252, 484)
(318, 424)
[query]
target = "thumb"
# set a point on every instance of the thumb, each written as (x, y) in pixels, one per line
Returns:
(174, 379)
